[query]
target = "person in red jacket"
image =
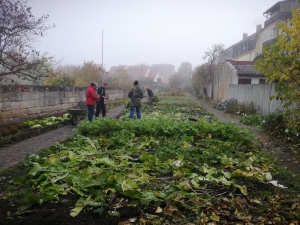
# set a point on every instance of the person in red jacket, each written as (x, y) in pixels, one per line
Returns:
(91, 99)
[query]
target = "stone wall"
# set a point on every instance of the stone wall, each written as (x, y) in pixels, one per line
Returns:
(17, 105)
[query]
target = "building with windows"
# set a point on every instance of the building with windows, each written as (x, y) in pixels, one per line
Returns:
(251, 46)
(236, 64)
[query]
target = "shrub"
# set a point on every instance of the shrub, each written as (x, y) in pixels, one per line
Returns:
(274, 123)
(155, 98)
(246, 108)
(252, 119)
(173, 92)
(5, 132)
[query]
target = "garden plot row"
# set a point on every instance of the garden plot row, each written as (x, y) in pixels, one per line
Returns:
(189, 172)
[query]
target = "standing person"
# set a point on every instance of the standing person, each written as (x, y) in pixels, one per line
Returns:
(150, 96)
(91, 99)
(204, 92)
(135, 95)
(100, 103)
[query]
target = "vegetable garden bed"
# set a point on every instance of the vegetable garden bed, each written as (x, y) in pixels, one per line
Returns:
(162, 169)
(19, 132)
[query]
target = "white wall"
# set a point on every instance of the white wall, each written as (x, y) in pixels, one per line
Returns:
(223, 76)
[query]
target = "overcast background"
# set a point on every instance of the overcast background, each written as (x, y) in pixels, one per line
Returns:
(144, 31)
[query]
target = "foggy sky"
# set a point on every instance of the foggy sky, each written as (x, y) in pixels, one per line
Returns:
(144, 31)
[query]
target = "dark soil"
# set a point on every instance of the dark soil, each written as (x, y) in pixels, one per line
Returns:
(58, 212)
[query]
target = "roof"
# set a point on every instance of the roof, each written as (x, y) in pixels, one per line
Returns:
(138, 71)
(245, 68)
(233, 62)
(273, 8)
(152, 74)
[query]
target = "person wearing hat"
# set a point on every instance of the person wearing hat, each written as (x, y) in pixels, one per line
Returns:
(135, 95)
(91, 99)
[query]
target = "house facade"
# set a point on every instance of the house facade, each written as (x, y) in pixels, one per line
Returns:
(236, 64)
(251, 46)
(234, 72)
(246, 49)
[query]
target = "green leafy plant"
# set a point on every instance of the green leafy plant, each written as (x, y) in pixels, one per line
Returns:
(252, 119)
(155, 98)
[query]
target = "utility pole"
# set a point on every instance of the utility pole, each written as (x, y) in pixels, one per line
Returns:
(102, 61)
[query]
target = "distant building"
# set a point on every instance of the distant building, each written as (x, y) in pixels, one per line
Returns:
(140, 71)
(154, 72)
(165, 71)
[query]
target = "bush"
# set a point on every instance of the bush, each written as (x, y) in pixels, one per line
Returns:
(155, 98)
(246, 108)
(252, 120)
(274, 123)
(173, 92)
(232, 105)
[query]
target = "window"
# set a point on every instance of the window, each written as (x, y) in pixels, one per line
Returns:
(262, 81)
(244, 81)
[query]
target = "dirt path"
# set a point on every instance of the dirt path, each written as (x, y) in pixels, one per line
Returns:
(284, 157)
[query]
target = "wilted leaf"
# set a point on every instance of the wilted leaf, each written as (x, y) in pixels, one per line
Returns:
(214, 217)
(243, 189)
(158, 210)
(52, 158)
(76, 211)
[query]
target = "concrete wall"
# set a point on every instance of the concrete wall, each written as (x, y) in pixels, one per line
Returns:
(18, 105)
(259, 94)
(223, 76)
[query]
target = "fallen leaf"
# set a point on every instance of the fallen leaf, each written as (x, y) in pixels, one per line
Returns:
(132, 220)
(158, 210)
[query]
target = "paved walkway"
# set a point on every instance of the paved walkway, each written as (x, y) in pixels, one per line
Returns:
(15, 153)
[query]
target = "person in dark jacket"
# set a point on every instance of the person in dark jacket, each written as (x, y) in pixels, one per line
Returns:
(204, 93)
(135, 95)
(91, 99)
(150, 96)
(100, 103)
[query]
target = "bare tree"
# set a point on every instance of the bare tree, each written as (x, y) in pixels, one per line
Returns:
(176, 81)
(212, 55)
(19, 29)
